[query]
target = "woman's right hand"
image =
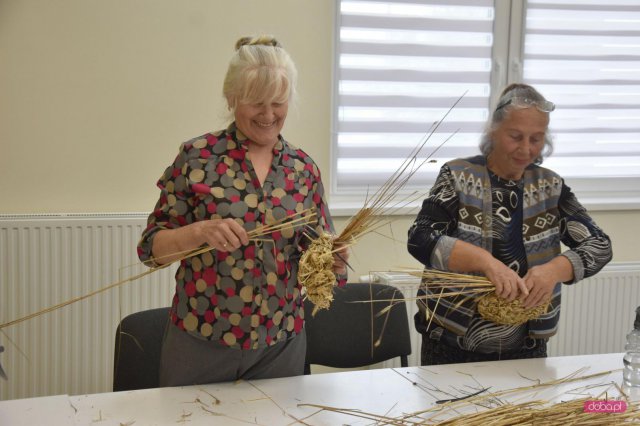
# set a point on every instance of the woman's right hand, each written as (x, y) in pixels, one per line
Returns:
(221, 234)
(466, 257)
(508, 283)
(170, 245)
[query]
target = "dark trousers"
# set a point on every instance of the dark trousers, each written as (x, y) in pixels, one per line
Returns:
(186, 360)
(436, 352)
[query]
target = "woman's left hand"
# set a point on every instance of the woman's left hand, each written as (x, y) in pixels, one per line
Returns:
(340, 259)
(540, 280)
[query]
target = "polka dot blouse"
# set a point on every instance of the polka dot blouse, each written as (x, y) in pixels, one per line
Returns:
(249, 298)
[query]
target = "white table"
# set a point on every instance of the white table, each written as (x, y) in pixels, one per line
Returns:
(391, 392)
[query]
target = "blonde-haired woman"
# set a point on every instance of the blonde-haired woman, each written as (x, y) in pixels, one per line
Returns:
(237, 312)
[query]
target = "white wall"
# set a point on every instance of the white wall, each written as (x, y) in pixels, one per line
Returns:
(96, 96)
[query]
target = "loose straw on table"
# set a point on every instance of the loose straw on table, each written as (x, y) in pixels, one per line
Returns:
(529, 412)
(302, 217)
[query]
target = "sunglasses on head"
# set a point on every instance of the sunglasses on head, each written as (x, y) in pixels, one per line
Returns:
(518, 102)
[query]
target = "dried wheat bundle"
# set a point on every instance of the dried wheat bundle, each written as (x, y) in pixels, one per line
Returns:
(299, 219)
(490, 306)
(374, 214)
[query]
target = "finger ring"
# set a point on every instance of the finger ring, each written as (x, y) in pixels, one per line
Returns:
(224, 244)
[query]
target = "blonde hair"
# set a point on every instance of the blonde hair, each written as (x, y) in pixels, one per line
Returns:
(260, 71)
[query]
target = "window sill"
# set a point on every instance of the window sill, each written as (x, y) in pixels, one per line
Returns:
(349, 205)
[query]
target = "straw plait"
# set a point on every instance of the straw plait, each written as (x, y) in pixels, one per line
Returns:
(502, 311)
(316, 272)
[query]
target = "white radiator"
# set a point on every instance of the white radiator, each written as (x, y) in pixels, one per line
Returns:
(596, 313)
(49, 259)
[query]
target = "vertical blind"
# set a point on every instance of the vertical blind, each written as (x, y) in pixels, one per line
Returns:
(402, 64)
(584, 55)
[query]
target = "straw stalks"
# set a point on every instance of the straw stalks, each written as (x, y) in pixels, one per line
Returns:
(462, 287)
(299, 219)
(540, 413)
(316, 275)
(535, 413)
(491, 409)
(489, 305)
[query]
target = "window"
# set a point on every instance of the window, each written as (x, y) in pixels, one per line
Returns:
(401, 65)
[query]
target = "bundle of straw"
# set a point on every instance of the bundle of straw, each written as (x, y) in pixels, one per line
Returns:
(489, 305)
(316, 276)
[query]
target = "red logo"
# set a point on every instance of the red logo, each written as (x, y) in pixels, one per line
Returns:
(605, 406)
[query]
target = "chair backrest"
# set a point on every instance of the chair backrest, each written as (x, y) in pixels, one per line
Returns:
(352, 334)
(136, 360)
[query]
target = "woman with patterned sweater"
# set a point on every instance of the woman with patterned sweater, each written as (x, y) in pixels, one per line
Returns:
(237, 312)
(502, 215)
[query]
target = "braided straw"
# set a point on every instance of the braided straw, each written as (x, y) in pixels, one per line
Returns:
(501, 311)
(316, 272)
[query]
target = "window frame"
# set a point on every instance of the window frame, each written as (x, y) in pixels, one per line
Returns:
(594, 193)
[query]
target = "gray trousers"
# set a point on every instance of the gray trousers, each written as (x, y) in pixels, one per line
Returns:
(186, 360)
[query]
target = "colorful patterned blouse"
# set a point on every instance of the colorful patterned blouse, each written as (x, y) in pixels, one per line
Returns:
(249, 298)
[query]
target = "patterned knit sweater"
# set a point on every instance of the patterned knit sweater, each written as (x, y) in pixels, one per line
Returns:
(460, 206)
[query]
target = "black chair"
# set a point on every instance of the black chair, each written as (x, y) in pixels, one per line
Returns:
(342, 336)
(136, 359)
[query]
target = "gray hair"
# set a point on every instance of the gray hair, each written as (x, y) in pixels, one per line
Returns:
(500, 114)
(259, 71)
